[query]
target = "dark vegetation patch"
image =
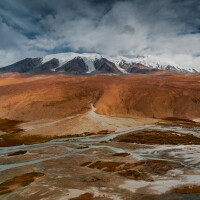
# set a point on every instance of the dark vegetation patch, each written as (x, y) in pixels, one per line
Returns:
(83, 147)
(16, 139)
(135, 174)
(102, 132)
(20, 139)
(156, 167)
(86, 196)
(15, 136)
(138, 171)
(158, 137)
(188, 189)
(173, 121)
(108, 166)
(121, 154)
(10, 126)
(93, 179)
(196, 100)
(18, 182)
(17, 153)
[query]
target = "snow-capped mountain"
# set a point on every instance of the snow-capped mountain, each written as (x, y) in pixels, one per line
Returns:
(91, 63)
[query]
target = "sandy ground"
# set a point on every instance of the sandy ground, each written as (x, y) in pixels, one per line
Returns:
(88, 122)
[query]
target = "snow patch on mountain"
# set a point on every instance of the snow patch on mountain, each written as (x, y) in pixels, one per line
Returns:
(66, 57)
(149, 61)
(159, 63)
(117, 60)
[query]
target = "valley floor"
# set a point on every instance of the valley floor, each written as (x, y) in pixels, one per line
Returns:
(107, 165)
(89, 122)
(99, 138)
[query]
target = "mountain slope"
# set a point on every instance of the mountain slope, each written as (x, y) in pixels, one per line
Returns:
(22, 66)
(57, 96)
(87, 63)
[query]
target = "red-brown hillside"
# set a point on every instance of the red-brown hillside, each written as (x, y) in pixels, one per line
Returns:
(157, 95)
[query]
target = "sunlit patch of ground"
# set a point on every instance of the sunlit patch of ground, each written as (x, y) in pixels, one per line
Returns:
(83, 124)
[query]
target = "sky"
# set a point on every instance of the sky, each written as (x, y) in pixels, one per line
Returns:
(164, 28)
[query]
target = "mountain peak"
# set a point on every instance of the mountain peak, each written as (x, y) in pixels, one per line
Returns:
(87, 63)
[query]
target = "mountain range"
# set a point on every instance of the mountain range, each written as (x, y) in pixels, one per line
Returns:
(90, 63)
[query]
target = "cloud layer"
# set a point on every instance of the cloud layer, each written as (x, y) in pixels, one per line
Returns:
(169, 28)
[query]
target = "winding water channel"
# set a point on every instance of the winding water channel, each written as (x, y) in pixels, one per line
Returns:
(94, 142)
(94, 147)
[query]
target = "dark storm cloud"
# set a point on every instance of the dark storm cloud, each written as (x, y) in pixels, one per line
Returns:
(168, 28)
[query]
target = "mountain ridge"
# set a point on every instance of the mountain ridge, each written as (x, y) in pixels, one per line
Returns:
(92, 63)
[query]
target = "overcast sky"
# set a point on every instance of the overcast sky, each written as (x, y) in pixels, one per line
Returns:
(166, 28)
